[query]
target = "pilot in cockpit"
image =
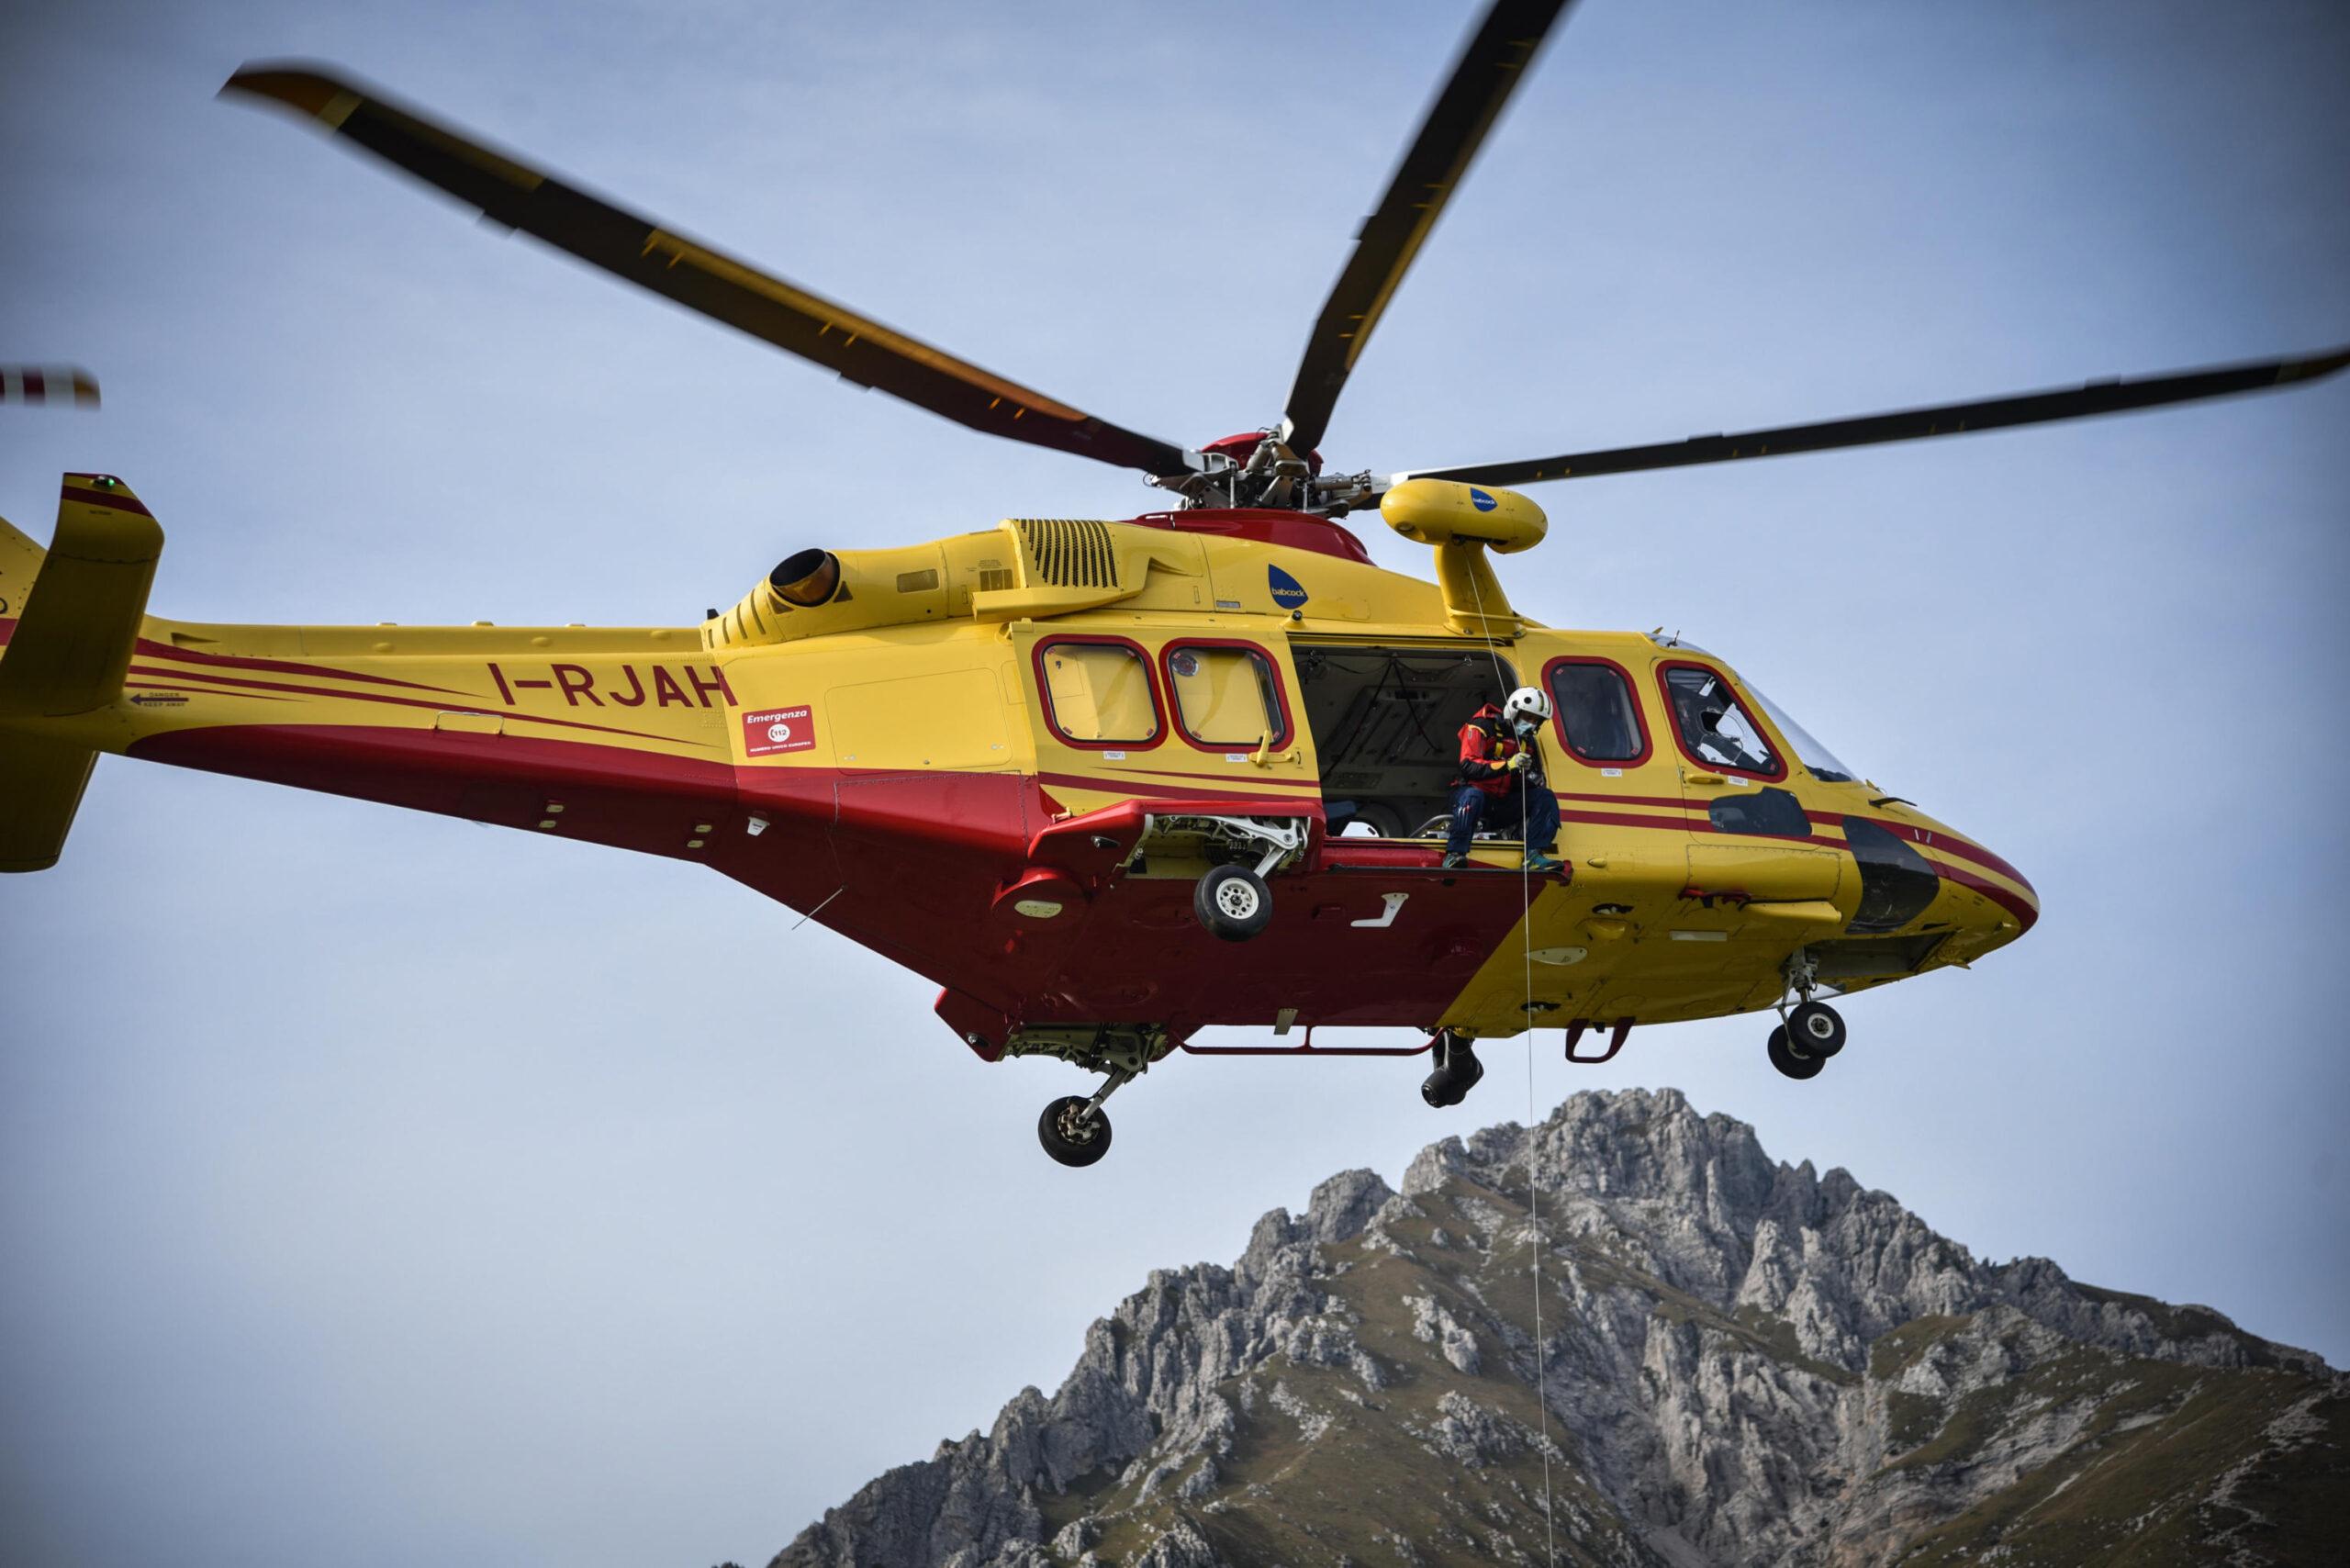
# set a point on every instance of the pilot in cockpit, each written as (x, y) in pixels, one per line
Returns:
(1699, 711)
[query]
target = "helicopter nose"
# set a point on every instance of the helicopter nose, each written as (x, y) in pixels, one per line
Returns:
(2005, 904)
(1913, 868)
(2005, 887)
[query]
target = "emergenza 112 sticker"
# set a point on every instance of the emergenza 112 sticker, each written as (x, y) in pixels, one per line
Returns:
(778, 729)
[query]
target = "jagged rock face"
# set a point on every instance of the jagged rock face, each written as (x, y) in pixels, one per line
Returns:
(1737, 1362)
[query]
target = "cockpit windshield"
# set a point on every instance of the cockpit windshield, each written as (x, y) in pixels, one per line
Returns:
(1810, 753)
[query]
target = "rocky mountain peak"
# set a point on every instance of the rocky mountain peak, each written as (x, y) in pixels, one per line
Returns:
(1740, 1361)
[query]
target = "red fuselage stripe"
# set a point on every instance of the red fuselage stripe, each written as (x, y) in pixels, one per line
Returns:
(147, 648)
(279, 667)
(370, 743)
(1127, 785)
(1936, 839)
(113, 500)
(213, 682)
(1618, 818)
(1951, 845)
(158, 686)
(1662, 802)
(1251, 785)
(2025, 911)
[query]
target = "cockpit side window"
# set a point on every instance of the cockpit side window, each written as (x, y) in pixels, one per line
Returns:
(1599, 720)
(1713, 726)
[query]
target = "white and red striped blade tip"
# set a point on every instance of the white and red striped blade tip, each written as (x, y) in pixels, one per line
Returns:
(60, 383)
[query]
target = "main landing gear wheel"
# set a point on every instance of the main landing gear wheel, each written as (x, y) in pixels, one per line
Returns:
(1791, 1059)
(1457, 1071)
(1816, 1028)
(1233, 902)
(1074, 1130)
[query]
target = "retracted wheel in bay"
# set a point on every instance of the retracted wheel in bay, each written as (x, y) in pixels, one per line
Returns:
(1233, 902)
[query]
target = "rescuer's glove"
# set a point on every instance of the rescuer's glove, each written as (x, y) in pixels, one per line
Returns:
(1517, 763)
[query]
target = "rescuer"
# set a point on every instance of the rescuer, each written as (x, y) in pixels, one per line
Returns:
(1500, 784)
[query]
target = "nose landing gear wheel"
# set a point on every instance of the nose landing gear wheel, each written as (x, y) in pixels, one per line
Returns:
(1074, 1131)
(1233, 902)
(1792, 1059)
(1457, 1072)
(1817, 1027)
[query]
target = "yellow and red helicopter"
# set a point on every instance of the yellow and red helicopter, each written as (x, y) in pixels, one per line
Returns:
(1106, 782)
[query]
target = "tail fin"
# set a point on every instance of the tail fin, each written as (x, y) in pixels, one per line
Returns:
(77, 608)
(19, 564)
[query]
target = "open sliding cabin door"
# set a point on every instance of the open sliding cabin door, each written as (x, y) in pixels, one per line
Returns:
(1386, 716)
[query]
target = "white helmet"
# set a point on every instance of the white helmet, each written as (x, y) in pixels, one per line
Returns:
(1528, 708)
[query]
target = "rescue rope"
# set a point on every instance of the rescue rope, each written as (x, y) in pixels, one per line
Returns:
(1533, 1121)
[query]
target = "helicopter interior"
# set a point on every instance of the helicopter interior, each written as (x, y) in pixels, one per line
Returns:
(1386, 723)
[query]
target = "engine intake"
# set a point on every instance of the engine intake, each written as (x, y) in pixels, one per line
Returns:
(1022, 566)
(806, 580)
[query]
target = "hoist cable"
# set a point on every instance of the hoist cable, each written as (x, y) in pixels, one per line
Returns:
(1533, 1121)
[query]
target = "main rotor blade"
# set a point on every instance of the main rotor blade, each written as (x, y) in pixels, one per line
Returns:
(1497, 55)
(860, 350)
(1909, 424)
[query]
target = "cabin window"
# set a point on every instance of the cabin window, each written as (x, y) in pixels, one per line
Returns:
(1226, 697)
(1599, 721)
(1099, 693)
(1715, 729)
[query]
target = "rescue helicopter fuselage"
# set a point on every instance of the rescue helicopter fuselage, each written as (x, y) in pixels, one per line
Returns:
(1008, 759)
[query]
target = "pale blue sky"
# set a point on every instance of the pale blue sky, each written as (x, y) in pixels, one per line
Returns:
(383, 1188)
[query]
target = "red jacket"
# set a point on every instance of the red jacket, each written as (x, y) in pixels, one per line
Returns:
(1486, 745)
